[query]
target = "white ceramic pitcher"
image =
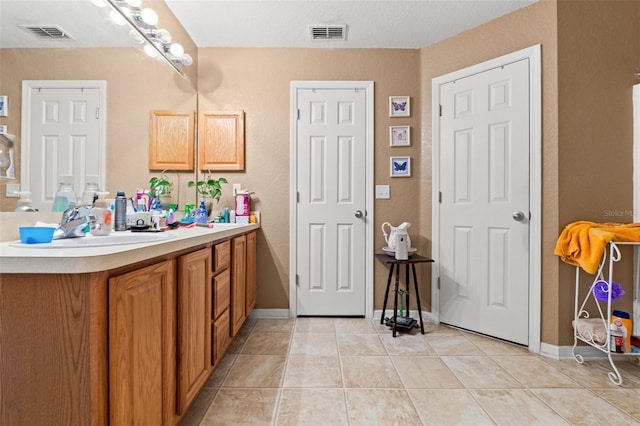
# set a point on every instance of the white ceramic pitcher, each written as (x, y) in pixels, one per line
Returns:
(390, 238)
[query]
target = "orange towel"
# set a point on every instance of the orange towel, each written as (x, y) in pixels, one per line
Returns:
(583, 243)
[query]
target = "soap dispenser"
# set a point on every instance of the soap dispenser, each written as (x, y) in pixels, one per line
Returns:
(24, 202)
(201, 213)
(103, 216)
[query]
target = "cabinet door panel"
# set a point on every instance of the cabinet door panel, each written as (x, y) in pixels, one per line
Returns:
(221, 256)
(194, 322)
(221, 293)
(251, 272)
(142, 346)
(238, 283)
(221, 337)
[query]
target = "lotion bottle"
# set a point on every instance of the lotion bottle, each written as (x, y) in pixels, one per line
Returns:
(103, 216)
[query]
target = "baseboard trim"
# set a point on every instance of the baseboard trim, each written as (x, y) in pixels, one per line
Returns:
(589, 353)
(270, 314)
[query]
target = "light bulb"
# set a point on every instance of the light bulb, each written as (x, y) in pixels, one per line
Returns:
(117, 18)
(149, 16)
(176, 50)
(186, 59)
(150, 51)
(163, 36)
(134, 3)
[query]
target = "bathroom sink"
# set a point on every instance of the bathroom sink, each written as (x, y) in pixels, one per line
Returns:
(113, 239)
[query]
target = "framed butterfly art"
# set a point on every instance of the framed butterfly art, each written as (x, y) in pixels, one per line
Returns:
(400, 166)
(399, 136)
(399, 106)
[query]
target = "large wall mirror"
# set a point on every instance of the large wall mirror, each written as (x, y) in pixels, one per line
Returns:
(96, 49)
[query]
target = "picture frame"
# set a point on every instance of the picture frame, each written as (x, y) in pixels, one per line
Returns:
(4, 107)
(400, 166)
(3, 128)
(399, 135)
(399, 106)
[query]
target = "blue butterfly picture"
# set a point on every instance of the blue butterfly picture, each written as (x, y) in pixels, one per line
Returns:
(399, 106)
(400, 166)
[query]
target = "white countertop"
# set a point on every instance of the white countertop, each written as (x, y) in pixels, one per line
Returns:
(78, 260)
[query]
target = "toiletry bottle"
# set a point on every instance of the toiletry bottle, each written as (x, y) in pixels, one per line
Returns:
(232, 216)
(103, 215)
(120, 223)
(201, 213)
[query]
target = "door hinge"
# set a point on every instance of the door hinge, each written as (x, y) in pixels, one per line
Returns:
(440, 197)
(438, 283)
(97, 113)
(298, 114)
(440, 112)
(297, 280)
(297, 197)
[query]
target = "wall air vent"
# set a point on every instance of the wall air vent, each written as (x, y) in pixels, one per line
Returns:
(47, 32)
(328, 32)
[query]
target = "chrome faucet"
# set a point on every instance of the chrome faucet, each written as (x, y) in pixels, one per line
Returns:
(74, 222)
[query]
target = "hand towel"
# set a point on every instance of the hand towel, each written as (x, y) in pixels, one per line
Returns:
(583, 243)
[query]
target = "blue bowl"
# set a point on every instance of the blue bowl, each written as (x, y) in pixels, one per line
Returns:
(36, 234)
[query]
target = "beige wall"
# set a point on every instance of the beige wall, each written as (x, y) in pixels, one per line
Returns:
(596, 71)
(258, 82)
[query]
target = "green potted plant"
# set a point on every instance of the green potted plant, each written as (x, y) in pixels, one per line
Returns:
(209, 188)
(161, 187)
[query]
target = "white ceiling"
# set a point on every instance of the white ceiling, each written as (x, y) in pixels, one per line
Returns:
(263, 23)
(371, 23)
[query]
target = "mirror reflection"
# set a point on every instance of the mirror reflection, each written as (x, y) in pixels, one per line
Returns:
(80, 43)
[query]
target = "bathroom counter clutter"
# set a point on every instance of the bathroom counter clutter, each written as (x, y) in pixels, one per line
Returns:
(64, 256)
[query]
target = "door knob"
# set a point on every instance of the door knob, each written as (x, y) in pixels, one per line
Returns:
(358, 214)
(518, 216)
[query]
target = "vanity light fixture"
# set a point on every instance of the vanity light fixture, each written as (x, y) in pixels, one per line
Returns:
(143, 21)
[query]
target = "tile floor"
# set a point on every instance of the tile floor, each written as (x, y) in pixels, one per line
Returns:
(326, 371)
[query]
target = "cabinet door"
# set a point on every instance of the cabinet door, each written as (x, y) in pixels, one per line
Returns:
(251, 273)
(238, 283)
(221, 337)
(194, 324)
(171, 140)
(221, 140)
(142, 346)
(221, 293)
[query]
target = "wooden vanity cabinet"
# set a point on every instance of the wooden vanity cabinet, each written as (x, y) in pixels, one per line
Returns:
(142, 342)
(194, 317)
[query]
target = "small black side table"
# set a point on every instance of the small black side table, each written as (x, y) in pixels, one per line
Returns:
(395, 264)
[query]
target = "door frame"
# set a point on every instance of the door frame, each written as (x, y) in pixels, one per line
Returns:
(28, 87)
(295, 86)
(533, 54)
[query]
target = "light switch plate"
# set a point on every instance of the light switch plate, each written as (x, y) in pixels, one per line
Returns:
(383, 192)
(12, 190)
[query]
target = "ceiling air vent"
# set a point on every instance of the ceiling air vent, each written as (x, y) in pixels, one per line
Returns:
(47, 32)
(328, 32)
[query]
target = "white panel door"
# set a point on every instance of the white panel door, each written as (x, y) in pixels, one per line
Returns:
(65, 141)
(331, 189)
(484, 212)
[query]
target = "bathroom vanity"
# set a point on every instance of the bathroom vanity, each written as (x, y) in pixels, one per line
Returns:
(120, 334)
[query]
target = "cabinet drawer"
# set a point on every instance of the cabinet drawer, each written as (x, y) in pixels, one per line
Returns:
(220, 337)
(221, 293)
(221, 256)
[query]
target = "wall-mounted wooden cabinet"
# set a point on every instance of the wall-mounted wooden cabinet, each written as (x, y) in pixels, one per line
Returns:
(221, 141)
(171, 140)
